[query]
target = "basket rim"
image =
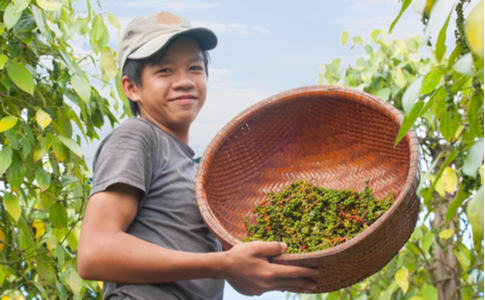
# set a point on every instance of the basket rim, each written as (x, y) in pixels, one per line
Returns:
(370, 234)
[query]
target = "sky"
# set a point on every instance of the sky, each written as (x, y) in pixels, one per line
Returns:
(267, 47)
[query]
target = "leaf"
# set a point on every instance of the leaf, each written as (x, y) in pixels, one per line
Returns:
(358, 40)
(427, 241)
(399, 78)
(25, 24)
(5, 158)
(20, 5)
(12, 205)
(465, 65)
(447, 233)
(456, 203)
(401, 278)
(41, 289)
(42, 148)
(39, 229)
(429, 292)
(344, 38)
(451, 157)
(43, 119)
(434, 16)
(384, 94)
(10, 17)
(431, 80)
(449, 123)
(8, 122)
(39, 20)
(97, 28)
(60, 151)
(51, 242)
(473, 112)
(2, 237)
(113, 21)
(449, 180)
(49, 5)
(440, 43)
(3, 60)
(409, 120)
(58, 215)
(15, 174)
(108, 63)
(474, 30)
(20, 76)
(72, 145)
(419, 6)
(404, 6)
(73, 280)
(43, 179)
(474, 213)
(473, 159)
(82, 87)
(412, 94)
(463, 256)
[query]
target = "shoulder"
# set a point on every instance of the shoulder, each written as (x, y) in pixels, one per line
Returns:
(136, 127)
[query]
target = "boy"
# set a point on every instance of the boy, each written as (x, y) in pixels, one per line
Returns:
(142, 233)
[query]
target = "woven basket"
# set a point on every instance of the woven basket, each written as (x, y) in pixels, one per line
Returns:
(339, 136)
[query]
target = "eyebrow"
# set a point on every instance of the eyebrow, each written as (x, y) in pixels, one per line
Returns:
(169, 61)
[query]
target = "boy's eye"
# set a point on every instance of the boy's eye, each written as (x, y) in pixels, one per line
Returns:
(197, 68)
(164, 70)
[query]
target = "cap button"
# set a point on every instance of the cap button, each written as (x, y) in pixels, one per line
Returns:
(166, 18)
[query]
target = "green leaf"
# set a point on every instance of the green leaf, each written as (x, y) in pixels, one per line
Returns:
(108, 63)
(25, 24)
(463, 256)
(46, 271)
(473, 159)
(456, 203)
(434, 16)
(51, 242)
(429, 292)
(20, 5)
(41, 289)
(43, 179)
(5, 158)
(451, 157)
(42, 148)
(97, 28)
(401, 278)
(39, 20)
(358, 40)
(449, 180)
(73, 279)
(404, 6)
(3, 60)
(431, 80)
(384, 94)
(446, 233)
(399, 78)
(465, 65)
(43, 119)
(58, 215)
(20, 76)
(474, 110)
(72, 145)
(15, 173)
(409, 120)
(427, 241)
(8, 122)
(412, 94)
(60, 151)
(49, 5)
(12, 205)
(113, 21)
(440, 43)
(82, 87)
(449, 123)
(474, 213)
(10, 17)
(474, 30)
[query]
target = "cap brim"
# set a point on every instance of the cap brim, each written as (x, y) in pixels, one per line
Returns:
(206, 38)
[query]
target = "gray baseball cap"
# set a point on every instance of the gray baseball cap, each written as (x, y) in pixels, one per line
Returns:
(146, 35)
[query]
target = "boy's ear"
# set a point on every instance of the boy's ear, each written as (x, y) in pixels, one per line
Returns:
(130, 89)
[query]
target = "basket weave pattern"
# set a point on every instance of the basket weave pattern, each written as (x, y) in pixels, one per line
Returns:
(339, 137)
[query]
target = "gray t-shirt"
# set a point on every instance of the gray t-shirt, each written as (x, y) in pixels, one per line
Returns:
(141, 154)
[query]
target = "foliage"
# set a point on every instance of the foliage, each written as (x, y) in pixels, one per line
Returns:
(442, 98)
(48, 104)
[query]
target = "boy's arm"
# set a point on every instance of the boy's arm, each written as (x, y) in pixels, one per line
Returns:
(106, 252)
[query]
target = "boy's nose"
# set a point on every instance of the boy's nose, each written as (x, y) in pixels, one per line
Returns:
(182, 80)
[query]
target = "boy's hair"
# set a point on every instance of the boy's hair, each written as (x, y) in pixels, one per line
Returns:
(133, 68)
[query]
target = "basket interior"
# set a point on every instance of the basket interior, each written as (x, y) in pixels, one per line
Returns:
(337, 142)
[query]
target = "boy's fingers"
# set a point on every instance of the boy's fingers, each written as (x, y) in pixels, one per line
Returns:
(269, 249)
(298, 283)
(292, 272)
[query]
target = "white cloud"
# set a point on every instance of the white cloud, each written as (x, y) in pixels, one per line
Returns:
(233, 28)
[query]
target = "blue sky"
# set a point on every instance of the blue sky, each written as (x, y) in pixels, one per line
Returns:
(266, 47)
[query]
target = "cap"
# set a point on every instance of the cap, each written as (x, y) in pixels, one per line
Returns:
(146, 35)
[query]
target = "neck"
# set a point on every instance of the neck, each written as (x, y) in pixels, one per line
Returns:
(181, 132)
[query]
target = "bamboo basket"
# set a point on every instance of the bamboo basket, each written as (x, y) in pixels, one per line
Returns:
(339, 136)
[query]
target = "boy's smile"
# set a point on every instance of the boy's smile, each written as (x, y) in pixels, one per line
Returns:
(173, 91)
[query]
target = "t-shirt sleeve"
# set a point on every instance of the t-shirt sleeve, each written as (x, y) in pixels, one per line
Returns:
(125, 156)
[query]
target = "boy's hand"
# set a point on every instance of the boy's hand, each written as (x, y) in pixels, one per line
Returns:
(250, 272)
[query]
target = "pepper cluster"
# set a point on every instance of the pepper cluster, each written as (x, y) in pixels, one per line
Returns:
(310, 218)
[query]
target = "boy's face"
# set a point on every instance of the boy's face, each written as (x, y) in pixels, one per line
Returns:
(173, 91)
